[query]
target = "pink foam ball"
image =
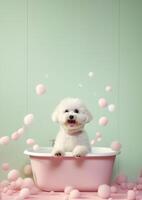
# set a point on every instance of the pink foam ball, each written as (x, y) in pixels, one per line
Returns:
(4, 140)
(36, 147)
(113, 189)
(116, 146)
(131, 195)
(139, 180)
(10, 192)
(24, 193)
(102, 103)
(13, 175)
(40, 89)
(15, 136)
(34, 190)
(108, 88)
(21, 131)
(104, 191)
(121, 179)
(103, 121)
(28, 119)
(19, 183)
(28, 183)
(28, 170)
(74, 194)
(30, 141)
(139, 186)
(130, 185)
(68, 189)
(5, 167)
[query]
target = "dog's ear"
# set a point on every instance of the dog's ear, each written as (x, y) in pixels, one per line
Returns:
(89, 116)
(55, 115)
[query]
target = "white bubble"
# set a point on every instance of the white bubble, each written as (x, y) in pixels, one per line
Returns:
(111, 108)
(28, 119)
(80, 85)
(90, 74)
(108, 88)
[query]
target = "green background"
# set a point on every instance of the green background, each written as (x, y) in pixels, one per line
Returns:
(58, 42)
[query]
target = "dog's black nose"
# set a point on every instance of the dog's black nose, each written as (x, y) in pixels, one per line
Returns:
(71, 116)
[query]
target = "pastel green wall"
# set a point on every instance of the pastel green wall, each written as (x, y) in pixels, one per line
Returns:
(65, 39)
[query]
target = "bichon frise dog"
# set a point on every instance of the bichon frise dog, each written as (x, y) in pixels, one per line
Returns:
(72, 115)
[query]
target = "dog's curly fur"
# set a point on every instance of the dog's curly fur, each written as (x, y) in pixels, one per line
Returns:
(72, 115)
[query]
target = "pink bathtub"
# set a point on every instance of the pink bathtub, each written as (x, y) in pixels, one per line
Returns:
(86, 173)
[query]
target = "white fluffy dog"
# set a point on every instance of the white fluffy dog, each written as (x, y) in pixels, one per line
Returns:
(72, 115)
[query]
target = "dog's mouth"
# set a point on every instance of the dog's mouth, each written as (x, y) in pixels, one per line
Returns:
(71, 122)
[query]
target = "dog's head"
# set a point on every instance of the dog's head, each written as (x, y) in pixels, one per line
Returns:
(72, 114)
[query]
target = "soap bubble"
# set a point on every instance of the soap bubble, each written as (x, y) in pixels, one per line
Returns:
(103, 121)
(28, 119)
(4, 140)
(111, 108)
(40, 89)
(108, 88)
(102, 103)
(90, 74)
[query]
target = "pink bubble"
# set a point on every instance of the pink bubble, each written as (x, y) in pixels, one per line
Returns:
(13, 185)
(4, 140)
(131, 195)
(19, 183)
(10, 192)
(104, 191)
(113, 189)
(40, 89)
(28, 183)
(108, 88)
(116, 146)
(15, 136)
(139, 186)
(68, 189)
(34, 190)
(4, 183)
(98, 134)
(28, 170)
(123, 185)
(13, 175)
(24, 193)
(103, 121)
(74, 194)
(36, 147)
(28, 119)
(30, 141)
(102, 103)
(130, 185)
(5, 166)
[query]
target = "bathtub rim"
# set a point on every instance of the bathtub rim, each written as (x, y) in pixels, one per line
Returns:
(104, 152)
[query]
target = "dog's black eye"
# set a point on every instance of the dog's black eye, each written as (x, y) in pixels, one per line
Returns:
(76, 111)
(66, 110)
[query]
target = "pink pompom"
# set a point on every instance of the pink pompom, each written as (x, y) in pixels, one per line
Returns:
(28, 170)
(30, 141)
(102, 103)
(121, 179)
(40, 89)
(113, 189)
(21, 131)
(116, 146)
(103, 121)
(28, 183)
(15, 136)
(13, 175)
(28, 119)
(131, 195)
(24, 193)
(74, 194)
(4, 140)
(108, 88)
(5, 167)
(36, 147)
(68, 189)
(104, 191)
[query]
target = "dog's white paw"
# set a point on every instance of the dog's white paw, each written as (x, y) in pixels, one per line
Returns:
(57, 152)
(80, 150)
